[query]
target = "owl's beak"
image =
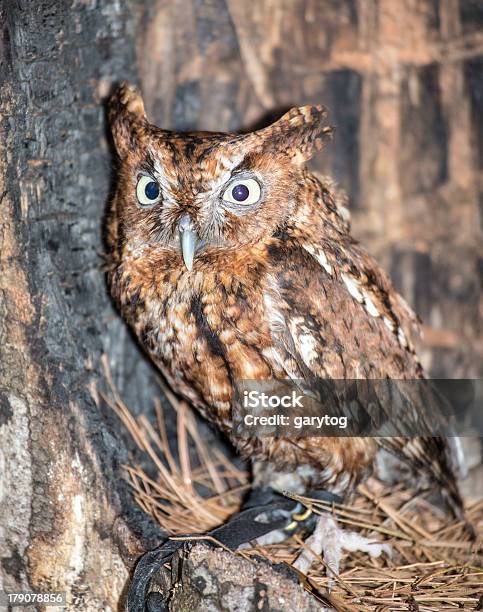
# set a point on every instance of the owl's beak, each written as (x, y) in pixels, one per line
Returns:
(188, 238)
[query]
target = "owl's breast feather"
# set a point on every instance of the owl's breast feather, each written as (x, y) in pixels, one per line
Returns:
(204, 329)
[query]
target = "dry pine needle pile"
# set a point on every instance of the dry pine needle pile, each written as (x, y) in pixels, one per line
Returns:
(434, 565)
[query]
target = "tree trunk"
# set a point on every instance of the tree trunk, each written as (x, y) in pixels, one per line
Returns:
(64, 508)
(402, 81)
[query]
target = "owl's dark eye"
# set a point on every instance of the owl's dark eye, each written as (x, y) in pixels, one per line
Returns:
(148, 191)
(240, 192)
(151, 191)
(246, 191)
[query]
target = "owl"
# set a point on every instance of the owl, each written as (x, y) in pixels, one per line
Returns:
(231, 261)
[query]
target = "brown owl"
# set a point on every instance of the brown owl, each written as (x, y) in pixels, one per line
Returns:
(230, 261)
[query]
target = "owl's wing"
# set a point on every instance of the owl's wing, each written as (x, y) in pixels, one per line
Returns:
(334, 316)
(341, 318)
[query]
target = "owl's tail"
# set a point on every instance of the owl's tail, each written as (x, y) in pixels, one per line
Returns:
(432, 463)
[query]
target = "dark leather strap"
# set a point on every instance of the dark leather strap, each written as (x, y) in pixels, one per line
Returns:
(265, 511)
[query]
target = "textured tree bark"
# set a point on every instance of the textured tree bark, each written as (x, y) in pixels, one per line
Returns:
(402, 81)
(208, 580)
(65, 514)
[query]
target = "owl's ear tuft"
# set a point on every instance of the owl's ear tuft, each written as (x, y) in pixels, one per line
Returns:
(300, 133)
(127, 117)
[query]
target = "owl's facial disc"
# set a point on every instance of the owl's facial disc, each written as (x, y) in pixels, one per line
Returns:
(188, 240)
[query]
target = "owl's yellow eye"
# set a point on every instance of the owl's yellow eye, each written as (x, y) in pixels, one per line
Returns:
(148, 191)
(243, 191)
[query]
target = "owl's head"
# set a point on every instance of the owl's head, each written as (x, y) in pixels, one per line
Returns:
(195, 192)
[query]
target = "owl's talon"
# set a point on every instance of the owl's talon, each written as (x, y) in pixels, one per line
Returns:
(301, 517)
(291, 526)
(297, 518)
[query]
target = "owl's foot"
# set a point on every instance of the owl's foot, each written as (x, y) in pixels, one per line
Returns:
(298, 517)
(330, 540)
(293, 518)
